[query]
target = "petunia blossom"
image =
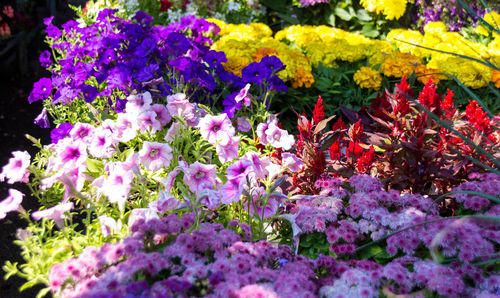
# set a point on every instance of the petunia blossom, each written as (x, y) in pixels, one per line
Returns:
(216, 128)
(228, 151)
(117, 185)
(279, 138)
(16, 170)
(11, 202)
(154, 155)
(55, 213)
(198, 176)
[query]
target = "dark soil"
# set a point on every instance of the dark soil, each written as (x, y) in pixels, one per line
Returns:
(16, 120)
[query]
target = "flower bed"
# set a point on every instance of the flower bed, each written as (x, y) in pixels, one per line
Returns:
(169, 174)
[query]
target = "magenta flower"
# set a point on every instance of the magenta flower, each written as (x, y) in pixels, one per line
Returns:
(154, 155)
(55, 213)
(228, 151)
(102, 144)
(16, 170)
(109, 225)
(179, 105)
(70, 155)
(305, 3)
(198, 176)
(216, 129)
(11, 203)
(238, 169)
(259, 207)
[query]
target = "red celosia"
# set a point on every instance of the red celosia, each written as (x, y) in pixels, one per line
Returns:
(477, 117)
(354, 150)
(447, 105)
(366, 160)
(319, 111)
(339, 125)
(335, 150)
(429, 98)
(355, 131)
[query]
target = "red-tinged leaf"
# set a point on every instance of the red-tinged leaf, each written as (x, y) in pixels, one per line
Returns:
(322, 124)
(355, 116)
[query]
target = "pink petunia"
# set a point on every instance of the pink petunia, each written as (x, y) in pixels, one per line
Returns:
(16, 170)
(198, 176)
(291, 162)
(279, 138)
(228, 151)
(244, 96)
(154, 155)
(117, 185)
(55, 213)
(138, 103)
(11, 203)
(216, 129)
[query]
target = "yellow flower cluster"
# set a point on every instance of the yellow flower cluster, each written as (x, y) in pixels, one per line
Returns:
(472, 74)
(244, 44)
(493, 19)
(392, 9)
(325, 45)
(302, 47)
(368, 78)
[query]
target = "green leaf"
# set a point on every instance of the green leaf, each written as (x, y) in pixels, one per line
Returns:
(363, 15)
(94, 166)
(43, 293)
(331, 20)
(343, 14)
(369, 31)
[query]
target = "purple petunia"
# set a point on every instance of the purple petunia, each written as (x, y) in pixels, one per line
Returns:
(41, 90)
(255, 73)
(60, 132)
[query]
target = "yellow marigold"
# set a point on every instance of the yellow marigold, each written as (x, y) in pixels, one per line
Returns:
(423, 74)
(393, 9)
(470, 73)
(302, 78)
(495, 78)
(399, 65)
(368, 78)
(493, 18)
(372, 5)
(236, 64)
(263, 52)
(402, 38)
(261, 29)
(435, 28)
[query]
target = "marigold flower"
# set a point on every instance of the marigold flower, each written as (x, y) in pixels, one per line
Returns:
(368, 78)
(302, 79)
(495, 78)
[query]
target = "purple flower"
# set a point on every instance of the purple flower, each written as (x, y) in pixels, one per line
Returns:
(255, 73)
(53, 32)
(198, 176)
(305, 3)
(44, 59)
(214, 58)
(178, 44)
(41, 90)
(17, 168)
(42, 119)
(291, 162)
(272, 63)
(60, 132)
(11, 203)
(89, 93)
(165, 202)
(216, 129)
(243, 124)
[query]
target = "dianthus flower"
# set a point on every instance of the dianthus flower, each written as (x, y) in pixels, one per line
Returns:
(366, 77)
